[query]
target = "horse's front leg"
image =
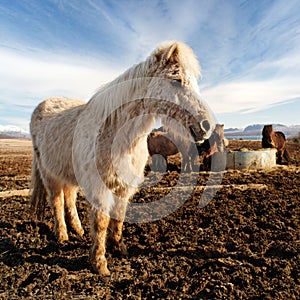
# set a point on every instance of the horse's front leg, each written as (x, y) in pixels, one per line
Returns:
(99, 224)
(70, 195)
(279, 156)
(195, 165)
(115, 237)
(186, 164)
(207, 163)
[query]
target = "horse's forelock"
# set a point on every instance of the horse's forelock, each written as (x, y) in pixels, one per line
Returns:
(268, 129)
(175, 52)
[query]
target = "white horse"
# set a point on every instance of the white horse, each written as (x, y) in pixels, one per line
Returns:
(101, 145)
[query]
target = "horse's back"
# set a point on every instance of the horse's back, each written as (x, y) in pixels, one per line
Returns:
(280, 135)
(167, 146)
(46, 112)
(280, 140)
(161, 143)
(154, 142)
(50, 108)
(52, 129)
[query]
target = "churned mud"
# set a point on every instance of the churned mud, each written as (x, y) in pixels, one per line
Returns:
(244, 244)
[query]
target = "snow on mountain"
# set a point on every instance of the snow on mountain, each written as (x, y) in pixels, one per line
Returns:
(256, 129)
(11, 131)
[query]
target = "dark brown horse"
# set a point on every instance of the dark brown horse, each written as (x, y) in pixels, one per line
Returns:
(160, 143)
(275, 139)
(216, 143)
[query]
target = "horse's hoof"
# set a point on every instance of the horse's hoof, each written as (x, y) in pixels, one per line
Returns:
(104, 272)
(79, 232)
(100, 267)
(118, 248)
(62, 238)
(123, 249)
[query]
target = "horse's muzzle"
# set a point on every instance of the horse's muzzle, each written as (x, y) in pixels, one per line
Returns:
(201, 132)
(205, 125)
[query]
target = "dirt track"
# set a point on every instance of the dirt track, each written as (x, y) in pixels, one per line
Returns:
(245, 244)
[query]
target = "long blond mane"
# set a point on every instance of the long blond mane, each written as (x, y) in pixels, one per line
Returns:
(113, 94)
(185, 57)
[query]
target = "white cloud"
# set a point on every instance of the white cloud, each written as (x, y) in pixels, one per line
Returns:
(250, 95)
(44, 76)
(266, 83)
(16, 121)
(145, 24)
(26, 80)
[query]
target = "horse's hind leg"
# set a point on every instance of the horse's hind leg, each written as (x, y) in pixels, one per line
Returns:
(70, 195)
(99, 223)
(279, 157)
(286, 155)
(56, 200)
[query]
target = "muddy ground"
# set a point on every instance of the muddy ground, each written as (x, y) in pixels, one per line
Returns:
(245, 244)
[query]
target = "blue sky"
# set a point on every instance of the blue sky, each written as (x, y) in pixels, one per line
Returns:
(249, 52)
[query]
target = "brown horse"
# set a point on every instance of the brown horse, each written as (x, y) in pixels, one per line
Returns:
(275, 139)
(216, 143)
(160, 142)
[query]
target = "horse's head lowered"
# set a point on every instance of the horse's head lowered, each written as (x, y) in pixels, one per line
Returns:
(174, 71)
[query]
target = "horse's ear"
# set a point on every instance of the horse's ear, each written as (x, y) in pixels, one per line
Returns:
(171, 54)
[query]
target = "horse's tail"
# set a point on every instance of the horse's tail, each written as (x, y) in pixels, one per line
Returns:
(38, 191)
(286, 155)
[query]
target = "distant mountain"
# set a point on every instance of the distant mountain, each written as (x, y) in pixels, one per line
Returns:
(11, 131)
(261, 126)
(256, 129)
(232, 129)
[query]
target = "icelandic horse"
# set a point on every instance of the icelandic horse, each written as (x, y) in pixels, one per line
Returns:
(161, 143)
(275, 139)
(101, 146)
(216, 143)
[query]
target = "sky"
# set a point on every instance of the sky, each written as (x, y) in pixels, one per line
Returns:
(249, 52)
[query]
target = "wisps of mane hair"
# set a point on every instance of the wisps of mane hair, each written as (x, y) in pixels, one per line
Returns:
(185, 58)
(109, 101)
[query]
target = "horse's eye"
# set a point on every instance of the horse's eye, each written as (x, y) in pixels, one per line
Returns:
(176, 82)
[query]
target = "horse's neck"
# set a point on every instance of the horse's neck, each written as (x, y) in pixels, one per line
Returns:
(137, 129)
(119, 105)
(272, 136)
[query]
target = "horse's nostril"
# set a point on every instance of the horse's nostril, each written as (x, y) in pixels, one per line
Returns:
(205, 125)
